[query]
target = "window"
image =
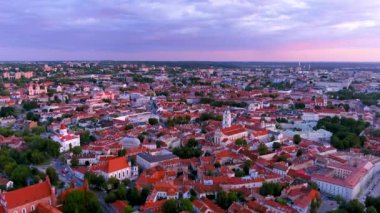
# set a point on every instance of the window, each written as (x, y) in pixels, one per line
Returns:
(33, 208)
(23, 210)
(15, 212)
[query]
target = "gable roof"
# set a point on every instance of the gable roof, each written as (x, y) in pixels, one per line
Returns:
(28, 194)
(233, 130)
(112, 165)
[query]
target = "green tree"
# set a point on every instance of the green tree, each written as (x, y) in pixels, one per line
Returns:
(112, 183)
(121, 152)
(53, 176)
(186, 205)
(128, 209)
(345, 131)
(37, 157)
(32, 116)
(187, 152)
(247, 166)
(262, 149)
(170, 206)
(3, 91)
(191, 150)
(133, 196)
(29, 105)
(299, 105)
(95, 180)
(193, 194)
(86, 138)
(296, 139)
(74, 162)
(282, 158)
(6, 132)
(373, 202)
(144, 194)
(38, 130)
(121, 192)
(371, 209)
(354, 206)
(110, 197)
(81, 201)
(192, 143)
(299, 153)
(128, 127)
(76, 150)
(276, 145)
(239, 173)
(269, 188)
(314, 206)
(20, 175)
(241, 142)
(217, 165)
(141, 137)
(153, 121)
(7, 111)
(224, 200)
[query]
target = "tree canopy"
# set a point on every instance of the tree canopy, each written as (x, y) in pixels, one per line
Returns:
(297, 139)
(190, 150)
(262, 149)
(7, 111)
(224, 200)
(81, 201)
(345, 131)
(347, 94)
(269, 188)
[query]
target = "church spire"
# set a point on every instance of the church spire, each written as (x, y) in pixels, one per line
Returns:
(226, 119)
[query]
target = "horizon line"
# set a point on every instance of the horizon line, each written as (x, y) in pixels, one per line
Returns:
(179, 61)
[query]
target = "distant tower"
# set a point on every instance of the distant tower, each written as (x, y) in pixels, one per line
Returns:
(226, 119)
(63, 130)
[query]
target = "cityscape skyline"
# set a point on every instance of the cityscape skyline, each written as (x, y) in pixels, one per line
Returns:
(239, 30)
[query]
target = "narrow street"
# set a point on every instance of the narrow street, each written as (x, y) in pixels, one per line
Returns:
(105, 207)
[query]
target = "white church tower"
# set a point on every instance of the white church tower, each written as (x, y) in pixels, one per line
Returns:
(226, 119)
(63, 130)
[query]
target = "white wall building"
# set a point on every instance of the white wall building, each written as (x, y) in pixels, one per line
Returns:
(66, 139)
(118, 168)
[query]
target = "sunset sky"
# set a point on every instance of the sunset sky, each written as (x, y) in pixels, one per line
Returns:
(206, 30)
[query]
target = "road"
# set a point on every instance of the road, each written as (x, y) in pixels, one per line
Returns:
(105, 207)
(65, 177)
(373, 189)
(327, 205)
(68, 177)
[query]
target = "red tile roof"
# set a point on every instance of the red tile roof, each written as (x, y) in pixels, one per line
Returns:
(120, 205)
(233, 130)
(112, 165)
(205, 204)
(28, 194)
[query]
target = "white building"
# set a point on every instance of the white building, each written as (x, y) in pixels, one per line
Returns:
(66, 139)
(230, 134)
(148, 160)
(226, 119)
(345, 179)
(118, 168)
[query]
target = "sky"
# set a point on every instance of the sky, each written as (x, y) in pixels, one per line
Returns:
(187, 30)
